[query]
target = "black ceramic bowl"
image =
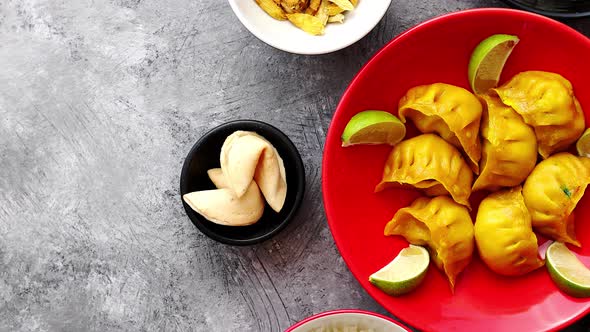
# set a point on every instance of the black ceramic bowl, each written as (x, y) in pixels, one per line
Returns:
(205, 155)
(555, 8)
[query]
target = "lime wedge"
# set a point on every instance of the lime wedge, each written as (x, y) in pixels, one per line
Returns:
(373, 127)
(487, 60)
(566, 270)
(404, 273)
(583, 144)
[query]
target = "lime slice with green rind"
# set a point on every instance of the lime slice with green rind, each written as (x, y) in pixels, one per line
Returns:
(566, 270)
(583, 144)
(373, 127)
(404, 273)
(487, 61)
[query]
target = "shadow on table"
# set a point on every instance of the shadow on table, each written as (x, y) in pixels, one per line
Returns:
(583, 325)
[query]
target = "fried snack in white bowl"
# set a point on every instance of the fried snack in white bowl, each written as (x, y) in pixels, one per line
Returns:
(286, 36)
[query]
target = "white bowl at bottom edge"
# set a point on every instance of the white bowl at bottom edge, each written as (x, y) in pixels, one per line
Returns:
(343, 318)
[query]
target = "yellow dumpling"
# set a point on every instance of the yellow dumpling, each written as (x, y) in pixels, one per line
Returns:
(450, 111)
(509, 146)
(546, 101)
(560, 137)
(542, 98)
(504, 234)
(442, 225)
(429, 163)
(551, 193)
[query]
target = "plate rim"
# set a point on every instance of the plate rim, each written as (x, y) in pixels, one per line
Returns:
(331, 131)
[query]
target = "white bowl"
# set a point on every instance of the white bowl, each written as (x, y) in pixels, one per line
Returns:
(344, 318)
(285, 36)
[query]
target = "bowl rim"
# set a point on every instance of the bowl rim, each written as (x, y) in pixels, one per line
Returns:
(295, 50)
(184, 179)
(394, 41)
(556, 14)
(346, 311)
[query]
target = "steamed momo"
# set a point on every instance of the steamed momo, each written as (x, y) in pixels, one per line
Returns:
(509, 146)
(452, 112)
(546, 101)
(552, 191)
(560, 137)
(442, 225)
(429, 163)
(504, 234)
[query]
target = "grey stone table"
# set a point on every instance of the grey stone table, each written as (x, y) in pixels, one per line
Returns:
(100, 100)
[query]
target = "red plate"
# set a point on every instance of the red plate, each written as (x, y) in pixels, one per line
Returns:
(438, 51)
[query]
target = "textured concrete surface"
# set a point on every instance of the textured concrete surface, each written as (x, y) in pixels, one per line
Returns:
(100, 100)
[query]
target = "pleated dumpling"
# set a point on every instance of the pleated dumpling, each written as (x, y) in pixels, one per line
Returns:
(247, 156)
(560, 137)
(545, 101)
(442, 225)
(509, 146)
(504, 234)
(429, 163)
(552, 191)
(452, 112)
